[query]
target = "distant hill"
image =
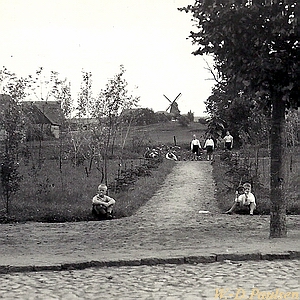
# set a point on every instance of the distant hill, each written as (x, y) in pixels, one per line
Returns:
(163, 133)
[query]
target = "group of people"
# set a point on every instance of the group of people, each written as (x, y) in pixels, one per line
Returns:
(196, 148)
(103, 205)
(243, 198)
(209, 145)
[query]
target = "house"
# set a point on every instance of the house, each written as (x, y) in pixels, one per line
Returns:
(45, 114)
(48, 114)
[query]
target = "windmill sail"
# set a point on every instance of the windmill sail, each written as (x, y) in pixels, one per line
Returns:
(173, 106)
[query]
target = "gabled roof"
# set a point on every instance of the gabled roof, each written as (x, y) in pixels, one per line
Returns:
(38, 112)
(44, 112)
(34, 114)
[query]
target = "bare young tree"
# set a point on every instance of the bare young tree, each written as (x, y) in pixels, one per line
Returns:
(107, 109)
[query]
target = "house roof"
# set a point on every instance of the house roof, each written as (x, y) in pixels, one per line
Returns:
(44, 112)
(34, 114)
(38, 112)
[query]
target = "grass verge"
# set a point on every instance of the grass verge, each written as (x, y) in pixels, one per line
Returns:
(55, 206)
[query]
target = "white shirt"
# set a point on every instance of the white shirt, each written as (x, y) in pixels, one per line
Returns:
(228, 139)
(246, 199)
(195, 142)
(106, 200)
(209, 142)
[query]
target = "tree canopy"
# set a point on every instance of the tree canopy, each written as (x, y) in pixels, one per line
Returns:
(254, 43)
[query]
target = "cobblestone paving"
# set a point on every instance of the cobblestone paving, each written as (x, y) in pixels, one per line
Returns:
(227, 280)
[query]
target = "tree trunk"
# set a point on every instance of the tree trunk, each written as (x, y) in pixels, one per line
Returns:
(278, 204)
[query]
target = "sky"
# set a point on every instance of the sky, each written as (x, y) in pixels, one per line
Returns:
(148, 37)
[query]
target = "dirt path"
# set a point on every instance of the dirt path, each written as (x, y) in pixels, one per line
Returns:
(186, 191)
(169, 225)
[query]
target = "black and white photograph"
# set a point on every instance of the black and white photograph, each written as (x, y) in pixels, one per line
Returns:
(149, 149)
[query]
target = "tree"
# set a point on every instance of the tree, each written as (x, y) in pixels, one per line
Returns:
(139, 116)
(255, 47)
(12, 122)
(107, 109)
(41, 87)
(190, 116)
(85, 95)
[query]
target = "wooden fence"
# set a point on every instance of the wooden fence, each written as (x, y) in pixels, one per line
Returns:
(262, 168)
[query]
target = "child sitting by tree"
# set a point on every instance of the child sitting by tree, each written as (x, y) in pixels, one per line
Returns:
(103, 204)
(243, 197)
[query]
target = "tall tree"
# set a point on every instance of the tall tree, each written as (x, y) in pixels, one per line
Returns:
(255, 47)
(85, 95)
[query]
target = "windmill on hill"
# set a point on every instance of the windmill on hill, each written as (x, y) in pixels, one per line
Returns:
(173, 106)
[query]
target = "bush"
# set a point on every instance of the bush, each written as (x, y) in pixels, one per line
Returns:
(183, 121)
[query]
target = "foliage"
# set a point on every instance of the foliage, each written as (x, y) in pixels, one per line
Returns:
(85, 95)
(107, 108)
(254, 46)
(139, 116)
(291, 129)
(12, 123)
(163, 117)
(183, 120)
(190, 116)
(254, 43)
(43, 87)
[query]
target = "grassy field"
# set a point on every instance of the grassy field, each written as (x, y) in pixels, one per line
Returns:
(164, 133)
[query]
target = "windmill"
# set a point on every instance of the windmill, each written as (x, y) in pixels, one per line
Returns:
(173, 106)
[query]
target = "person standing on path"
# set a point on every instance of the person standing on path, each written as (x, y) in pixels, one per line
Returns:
(195, 147)
(209, 146)
(228, 141)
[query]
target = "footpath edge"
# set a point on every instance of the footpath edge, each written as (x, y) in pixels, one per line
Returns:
(152, 261)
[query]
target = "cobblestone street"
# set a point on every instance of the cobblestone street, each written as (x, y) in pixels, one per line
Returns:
(227, 280)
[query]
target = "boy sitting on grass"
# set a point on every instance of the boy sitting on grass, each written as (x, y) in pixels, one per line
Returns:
(103, 204)
(243, 197)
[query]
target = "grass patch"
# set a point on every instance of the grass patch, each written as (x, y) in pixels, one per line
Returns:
(57, 197)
